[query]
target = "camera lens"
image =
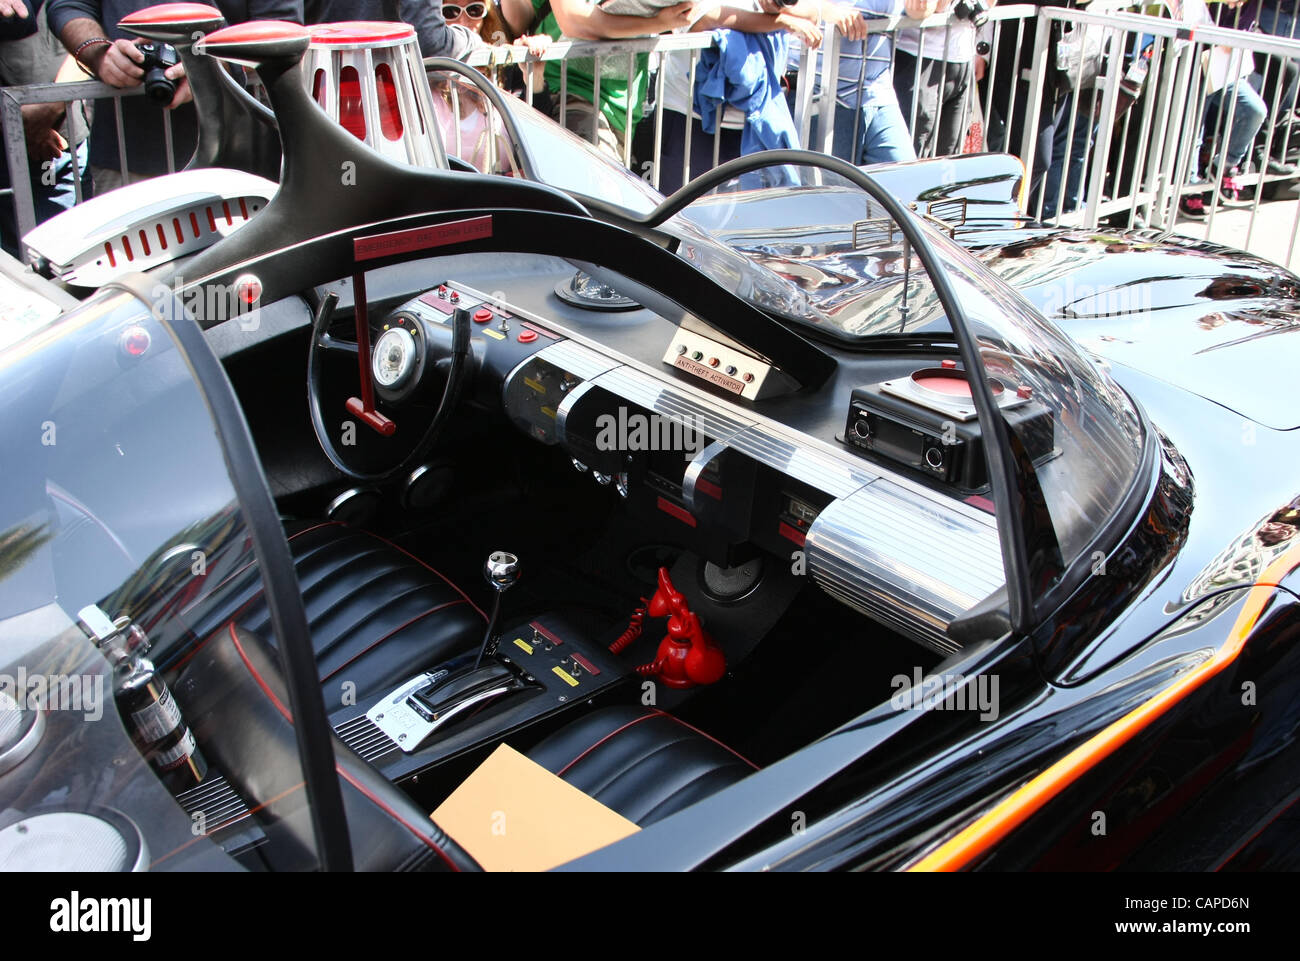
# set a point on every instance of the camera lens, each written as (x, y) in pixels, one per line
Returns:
(158, 57)
(157, 87)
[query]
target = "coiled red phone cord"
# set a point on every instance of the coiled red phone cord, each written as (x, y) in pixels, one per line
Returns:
(633, 631)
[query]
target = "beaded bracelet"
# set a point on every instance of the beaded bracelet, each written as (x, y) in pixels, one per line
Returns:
(76, 54)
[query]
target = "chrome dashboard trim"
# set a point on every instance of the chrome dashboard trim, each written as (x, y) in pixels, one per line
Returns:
(562, 409)
(887, 546)
(895, 557)
(575, 358)
(695, 468)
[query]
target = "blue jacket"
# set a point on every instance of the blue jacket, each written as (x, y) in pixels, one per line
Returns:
(745, 70)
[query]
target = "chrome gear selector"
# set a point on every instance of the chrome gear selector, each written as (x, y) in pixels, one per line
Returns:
(502, 571)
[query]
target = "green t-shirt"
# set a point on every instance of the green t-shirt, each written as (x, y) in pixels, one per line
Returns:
(615, 101)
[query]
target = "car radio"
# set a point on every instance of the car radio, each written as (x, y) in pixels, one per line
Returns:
(926, 422)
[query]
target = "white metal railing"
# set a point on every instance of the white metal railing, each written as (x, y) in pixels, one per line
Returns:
(1147, 154)
(1127, 157)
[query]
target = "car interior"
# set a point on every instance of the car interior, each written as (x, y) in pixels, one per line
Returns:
(567, 488)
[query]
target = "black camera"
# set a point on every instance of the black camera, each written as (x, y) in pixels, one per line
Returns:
(976, 11)
(157, 58)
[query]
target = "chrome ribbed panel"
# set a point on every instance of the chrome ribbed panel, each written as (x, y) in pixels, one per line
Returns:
(216, 801)
(580, 361)
(365, 738)
(803, 462)
(890, 612)
(899, 557)
(653, 394)
(898, 552)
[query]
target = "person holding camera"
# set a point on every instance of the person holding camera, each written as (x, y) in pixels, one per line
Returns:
(88, 29)
(934, 72)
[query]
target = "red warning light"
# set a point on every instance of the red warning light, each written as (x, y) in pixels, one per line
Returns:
(135, 340)
(248, 289)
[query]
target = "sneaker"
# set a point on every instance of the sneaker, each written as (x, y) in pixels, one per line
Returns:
(1230, 187)
(1280, 167)
(1192, 207)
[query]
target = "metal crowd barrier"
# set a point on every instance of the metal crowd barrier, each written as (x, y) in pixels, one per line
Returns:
(13, 99)
(1151, 144)
(1130, 165)
(601, 52)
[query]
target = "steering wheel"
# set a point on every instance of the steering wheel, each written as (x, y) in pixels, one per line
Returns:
(371, 432)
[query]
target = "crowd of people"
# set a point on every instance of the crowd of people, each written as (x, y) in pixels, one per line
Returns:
(898, 95)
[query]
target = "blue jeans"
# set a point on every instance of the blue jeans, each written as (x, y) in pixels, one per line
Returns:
(1247, 117)
(1079, 145)
(882, 133)
(48, 199)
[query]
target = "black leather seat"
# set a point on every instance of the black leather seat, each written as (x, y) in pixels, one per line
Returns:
(643, 763)
(377, 614)
(234, 696)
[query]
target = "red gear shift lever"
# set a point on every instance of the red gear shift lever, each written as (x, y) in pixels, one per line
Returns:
(687, 655)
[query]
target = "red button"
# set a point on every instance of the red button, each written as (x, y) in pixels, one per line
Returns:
(949, 365)
(482, 315)
(713, 362)
(527, 336)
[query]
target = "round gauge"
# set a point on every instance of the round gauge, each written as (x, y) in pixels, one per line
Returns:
(394, 358)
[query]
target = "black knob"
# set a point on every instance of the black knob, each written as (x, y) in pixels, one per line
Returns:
(934, 457)
(862, 428)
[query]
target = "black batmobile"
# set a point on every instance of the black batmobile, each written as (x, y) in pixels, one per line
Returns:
(830, 518)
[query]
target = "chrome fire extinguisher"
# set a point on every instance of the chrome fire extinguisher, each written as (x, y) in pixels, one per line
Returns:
(145, 702)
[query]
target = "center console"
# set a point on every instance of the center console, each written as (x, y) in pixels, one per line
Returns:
(539, 668)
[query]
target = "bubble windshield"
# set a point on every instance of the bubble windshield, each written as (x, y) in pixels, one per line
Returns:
(124, 555)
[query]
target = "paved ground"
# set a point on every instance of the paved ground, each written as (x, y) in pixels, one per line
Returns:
(1273, 234)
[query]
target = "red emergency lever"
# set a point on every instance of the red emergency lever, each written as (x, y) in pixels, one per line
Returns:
(364, 406)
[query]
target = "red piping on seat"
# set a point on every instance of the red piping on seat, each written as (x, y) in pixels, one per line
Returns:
(645, 717)
(446, 580)
(394, 631)
(602, 740)
(315, 527)
(230, 621)
(710, 737)
(258, 677)
(428, 841)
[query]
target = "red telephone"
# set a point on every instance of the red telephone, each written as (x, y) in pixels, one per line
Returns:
(687, 655)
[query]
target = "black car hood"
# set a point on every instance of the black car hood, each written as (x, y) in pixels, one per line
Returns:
(1210, 320)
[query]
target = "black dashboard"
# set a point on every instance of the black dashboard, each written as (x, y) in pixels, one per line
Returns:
(671, 417)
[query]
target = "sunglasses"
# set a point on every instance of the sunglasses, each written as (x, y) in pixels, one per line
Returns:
(475, 11)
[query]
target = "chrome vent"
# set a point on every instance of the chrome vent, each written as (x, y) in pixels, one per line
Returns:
(215, 801)
(20, 731)
(367, 740)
